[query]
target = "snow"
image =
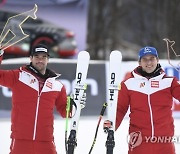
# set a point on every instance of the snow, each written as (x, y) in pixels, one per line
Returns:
(85, 136)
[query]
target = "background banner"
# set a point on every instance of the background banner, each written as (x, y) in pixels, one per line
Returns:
(96, 81)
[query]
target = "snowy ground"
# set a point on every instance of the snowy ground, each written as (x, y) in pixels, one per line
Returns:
(87, 127)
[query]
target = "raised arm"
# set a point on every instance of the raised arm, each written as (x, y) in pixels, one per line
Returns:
(1, 55)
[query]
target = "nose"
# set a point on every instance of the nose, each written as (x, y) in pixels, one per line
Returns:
(149, 61)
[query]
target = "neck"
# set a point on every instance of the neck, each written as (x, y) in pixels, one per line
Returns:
(35, 71)
(42, 72)
(47, 73)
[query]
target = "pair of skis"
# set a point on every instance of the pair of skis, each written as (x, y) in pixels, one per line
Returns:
(113, 87)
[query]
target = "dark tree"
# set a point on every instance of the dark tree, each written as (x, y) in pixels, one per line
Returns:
(128, 25)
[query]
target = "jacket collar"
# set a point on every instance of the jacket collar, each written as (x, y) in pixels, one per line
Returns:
(49, 73)
(139, 73)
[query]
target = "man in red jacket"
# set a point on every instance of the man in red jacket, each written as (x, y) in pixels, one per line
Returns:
(36, 91)
(149, 93)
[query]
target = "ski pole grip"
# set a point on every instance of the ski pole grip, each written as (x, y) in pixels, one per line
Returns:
(68, 104)
(103, 109)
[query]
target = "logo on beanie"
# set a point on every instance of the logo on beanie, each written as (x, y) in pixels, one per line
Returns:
(146, 50)
(41, 49)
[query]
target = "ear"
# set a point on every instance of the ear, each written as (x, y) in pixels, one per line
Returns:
(158, 60)
(31, 57)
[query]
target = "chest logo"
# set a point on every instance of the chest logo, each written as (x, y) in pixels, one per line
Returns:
(155, 84)
(32, 81)
(49, 84)
(142, 84)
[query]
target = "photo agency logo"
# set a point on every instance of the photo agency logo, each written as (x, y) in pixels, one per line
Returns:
(135, 139)
(162, 139)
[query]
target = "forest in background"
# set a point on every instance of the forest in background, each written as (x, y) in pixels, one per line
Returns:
(128, 25)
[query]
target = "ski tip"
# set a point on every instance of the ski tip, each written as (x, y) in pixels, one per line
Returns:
(83, 53)
(117, 54)
(116, 51)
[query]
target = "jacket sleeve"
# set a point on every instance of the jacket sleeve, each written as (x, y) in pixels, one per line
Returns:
(123, 104)
(5, 76)
(8, 78)
(175, 89)
(61, 102)
(1, 55)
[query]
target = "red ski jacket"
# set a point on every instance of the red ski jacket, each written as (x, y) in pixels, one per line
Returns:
(32, 110)
(150, 102)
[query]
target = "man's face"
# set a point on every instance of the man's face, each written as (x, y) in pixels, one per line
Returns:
(149, 63)
(39, 61)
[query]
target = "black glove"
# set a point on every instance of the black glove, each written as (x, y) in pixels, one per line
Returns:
(82, 101)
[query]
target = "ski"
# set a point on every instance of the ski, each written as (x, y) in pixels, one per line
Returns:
(113, 88)
(79, 88)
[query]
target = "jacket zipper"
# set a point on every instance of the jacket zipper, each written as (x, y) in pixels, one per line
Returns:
(36, 116)
(37, 110)
(151, 117)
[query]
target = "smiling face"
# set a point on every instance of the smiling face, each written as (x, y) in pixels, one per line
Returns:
(39, 61)
(148, 63)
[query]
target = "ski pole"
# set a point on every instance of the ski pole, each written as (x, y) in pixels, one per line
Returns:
(67, 116)
(99, 121)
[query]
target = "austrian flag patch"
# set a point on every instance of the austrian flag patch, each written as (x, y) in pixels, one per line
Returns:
(154, 84)
(49, 84)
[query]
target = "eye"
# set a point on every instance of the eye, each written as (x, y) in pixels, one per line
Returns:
(45, 56)
(149, 59)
